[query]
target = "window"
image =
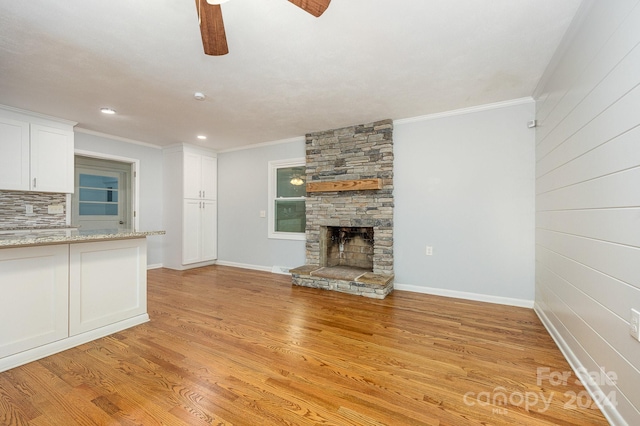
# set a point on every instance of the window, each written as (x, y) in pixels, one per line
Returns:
(98, 195)
(287, 190)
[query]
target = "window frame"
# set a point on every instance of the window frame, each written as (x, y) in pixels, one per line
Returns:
(273, 181)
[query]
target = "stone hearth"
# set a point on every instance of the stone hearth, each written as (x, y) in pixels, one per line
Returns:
(338, 164)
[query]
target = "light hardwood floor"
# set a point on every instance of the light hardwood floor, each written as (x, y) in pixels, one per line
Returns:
(233, 346)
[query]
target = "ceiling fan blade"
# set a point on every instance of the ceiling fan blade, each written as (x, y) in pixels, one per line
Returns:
(214, 39)
(314, 7)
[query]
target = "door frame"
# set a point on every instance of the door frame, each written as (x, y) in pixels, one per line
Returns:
(135, 182)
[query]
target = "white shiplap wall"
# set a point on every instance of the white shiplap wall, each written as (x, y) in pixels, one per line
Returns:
(588, 198)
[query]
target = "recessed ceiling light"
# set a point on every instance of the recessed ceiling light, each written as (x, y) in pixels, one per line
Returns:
(199, 96)
(108, 111)
(203, 137)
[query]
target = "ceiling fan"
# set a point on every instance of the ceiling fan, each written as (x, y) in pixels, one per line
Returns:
(214, 38)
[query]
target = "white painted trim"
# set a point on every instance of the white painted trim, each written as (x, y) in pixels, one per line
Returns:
(263, 144)
(521, 303)
(135, 178)
(273, 169)
(38, 115)
(463, 111)
(34, 354)
(155, 266)
(193, 265)
(182, 147)
(597, 395)
(282, 270)
(117, 138)
(244, 266)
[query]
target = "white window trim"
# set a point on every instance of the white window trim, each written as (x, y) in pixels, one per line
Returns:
(273, 167)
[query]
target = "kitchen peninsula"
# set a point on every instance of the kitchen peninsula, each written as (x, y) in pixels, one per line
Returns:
(64, 287)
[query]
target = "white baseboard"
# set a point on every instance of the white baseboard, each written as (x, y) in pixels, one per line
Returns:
(155, 266)
(244, 266)
(522, 303)
(34, 354)
(609, 410)
(282, 270)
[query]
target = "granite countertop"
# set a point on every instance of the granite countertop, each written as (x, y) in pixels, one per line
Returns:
(37, 237)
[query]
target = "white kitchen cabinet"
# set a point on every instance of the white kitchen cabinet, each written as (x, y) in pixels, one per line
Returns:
(36, 154)
(51, 159)
(34, 304)
(107, 283)
(190, 207)
(14, 154)
(199, 234)
(199, 176)
(55, 297)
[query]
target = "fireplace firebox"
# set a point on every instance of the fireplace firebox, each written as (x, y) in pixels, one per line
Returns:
(347, 246)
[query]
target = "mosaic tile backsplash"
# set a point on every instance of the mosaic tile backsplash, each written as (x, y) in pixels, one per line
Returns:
(13, 211)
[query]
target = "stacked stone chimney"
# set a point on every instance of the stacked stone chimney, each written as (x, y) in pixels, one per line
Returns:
(350, 154)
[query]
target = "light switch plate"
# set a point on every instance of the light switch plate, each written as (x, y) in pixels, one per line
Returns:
(634, 324)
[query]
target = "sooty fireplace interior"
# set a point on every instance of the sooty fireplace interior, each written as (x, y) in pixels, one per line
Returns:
(347, 246)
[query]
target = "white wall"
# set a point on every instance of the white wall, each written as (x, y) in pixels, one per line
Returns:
(242, 194)
(464, 184)
(150, 175)
(588, 198)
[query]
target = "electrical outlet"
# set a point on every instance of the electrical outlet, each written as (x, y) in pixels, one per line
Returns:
(634, 324)
(263, 213)
(28, 209)
(55, 209)
(429, 251)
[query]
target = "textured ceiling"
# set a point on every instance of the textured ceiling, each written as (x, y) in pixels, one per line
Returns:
(287, 72)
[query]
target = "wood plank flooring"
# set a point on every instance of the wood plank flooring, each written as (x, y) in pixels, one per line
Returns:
(233, 346)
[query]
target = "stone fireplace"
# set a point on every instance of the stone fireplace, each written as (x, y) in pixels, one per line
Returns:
(349, 210)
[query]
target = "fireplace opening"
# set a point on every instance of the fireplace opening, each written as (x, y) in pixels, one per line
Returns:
(347, 246)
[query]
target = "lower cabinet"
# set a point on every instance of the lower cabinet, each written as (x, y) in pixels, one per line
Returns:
(34, 307)
(199, 239)
(59, 296)
(107, 283)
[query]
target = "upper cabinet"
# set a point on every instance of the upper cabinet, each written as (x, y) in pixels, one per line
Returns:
(51, 159)
(36, 154)
(14, 154)
(200, 176)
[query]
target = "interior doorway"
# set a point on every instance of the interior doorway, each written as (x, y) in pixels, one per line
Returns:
(103, 197)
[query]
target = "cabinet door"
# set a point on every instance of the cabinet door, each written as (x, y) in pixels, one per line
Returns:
(107, 283)
(209, 230)
(192, 175)
(209, 178)
(34, 283)
(51, 159)
(192, 232)
(14, 155)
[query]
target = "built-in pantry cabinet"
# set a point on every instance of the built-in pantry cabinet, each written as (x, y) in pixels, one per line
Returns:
(36, 153)
(190, 207)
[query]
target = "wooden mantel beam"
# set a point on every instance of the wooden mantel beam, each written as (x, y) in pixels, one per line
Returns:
(344, 185)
